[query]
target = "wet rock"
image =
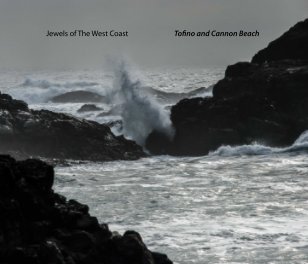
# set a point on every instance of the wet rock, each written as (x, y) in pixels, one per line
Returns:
(40, 226)
(132, 248)
(89, 108)
(79, 241)
(161, 258)
(87, 223)
(53, 135)
(264, 101)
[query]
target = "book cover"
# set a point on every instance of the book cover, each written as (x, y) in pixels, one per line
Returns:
(153, 132)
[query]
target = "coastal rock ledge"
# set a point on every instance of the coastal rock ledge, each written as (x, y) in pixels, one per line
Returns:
(265, 101)
(38, 226)
(30, 133)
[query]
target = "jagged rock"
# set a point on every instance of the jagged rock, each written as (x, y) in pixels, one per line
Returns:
(89, 108)
(40, 226)
(78, 97)
(53, 135)
(255, 102)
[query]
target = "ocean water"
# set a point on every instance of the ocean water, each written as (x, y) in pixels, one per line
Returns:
(212, 209)
(245, 204)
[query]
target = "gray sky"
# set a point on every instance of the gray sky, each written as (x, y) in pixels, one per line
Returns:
(150, 25)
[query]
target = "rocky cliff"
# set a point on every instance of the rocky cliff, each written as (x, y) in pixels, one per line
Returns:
(38, 226)
(265, 101)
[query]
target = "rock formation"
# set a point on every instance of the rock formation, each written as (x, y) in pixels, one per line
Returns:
(38, 226)
(265, 101)
(52, 135)
(292, 45)
(89, 108)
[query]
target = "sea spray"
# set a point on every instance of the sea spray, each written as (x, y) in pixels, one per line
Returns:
(140, 112)
(36, 91)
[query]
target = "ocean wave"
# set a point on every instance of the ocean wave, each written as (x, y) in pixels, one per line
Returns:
(173, 97)
(140, 112)
(35, 91)
(201, 92)
(300, 145)
(45, 84)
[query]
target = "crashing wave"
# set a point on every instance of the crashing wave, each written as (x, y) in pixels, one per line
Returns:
(140, 112)
(301, 144)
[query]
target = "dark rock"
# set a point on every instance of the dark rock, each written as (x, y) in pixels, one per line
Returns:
(292, 45)
(79, 241)
(159, 143)
(255, 102)
(78, 207)
(87, 223)
(89, 108)
(40, 226)
(38, 173)
(49, 252)
(132, 249)
(12, 105)
(240, 69)
(160, 258)
(53, 135)
(78, 97)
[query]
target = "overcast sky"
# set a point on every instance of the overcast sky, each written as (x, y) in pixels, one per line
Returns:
(150, 25)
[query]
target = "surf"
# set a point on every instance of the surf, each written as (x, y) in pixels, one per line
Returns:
(299, 145)
(140, 112)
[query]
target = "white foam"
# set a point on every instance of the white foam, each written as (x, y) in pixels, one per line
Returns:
(35, 91)
(301, 144)
(141, 113)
